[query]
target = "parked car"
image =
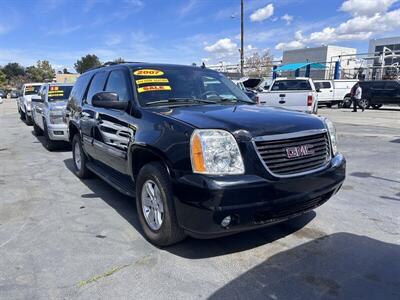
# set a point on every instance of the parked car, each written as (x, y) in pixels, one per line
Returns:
(291, 93)
(334, 92)
(380, 92)
(250, 93)
(48, 109)
(199, 156)
(2, 94)
(14, 94)
(24, 101)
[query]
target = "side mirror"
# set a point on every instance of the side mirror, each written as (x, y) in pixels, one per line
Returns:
(266, 87)
(318, 90)
(108, 100)
(36, 98)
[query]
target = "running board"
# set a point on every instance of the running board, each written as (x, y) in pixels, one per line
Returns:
(121, 183)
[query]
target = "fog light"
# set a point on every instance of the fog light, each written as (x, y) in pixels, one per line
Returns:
(226, 221)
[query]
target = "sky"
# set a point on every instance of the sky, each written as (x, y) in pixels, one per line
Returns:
(184, 31)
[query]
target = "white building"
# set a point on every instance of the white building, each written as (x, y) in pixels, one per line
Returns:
(326, 55)
(391, 48)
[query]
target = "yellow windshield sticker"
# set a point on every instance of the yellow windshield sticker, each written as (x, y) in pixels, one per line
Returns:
(154, 88)
(29, 88)
(152, 80)
(54, 88)
(148, 72)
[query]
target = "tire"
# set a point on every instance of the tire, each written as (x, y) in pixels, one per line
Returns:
(346, 102)
(364, 103)
(48, 143)
(169, 231)
(28, 119)
(329, 105)
(80, 169)
(22, 114)
(376, 106)
(37, 130)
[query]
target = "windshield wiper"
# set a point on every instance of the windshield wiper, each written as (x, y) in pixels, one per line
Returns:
(233, 100)
(178, 100)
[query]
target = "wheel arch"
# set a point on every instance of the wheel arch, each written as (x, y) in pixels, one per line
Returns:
(72, 129)
(140, 156)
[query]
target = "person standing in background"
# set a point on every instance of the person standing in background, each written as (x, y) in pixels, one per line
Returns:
(357, 97)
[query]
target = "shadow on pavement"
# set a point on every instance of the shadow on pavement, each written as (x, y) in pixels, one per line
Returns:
(193, 248)
(60, 145)
(337, 266)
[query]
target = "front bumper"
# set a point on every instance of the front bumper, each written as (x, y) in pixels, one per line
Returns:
(202, 202)
(58, 132)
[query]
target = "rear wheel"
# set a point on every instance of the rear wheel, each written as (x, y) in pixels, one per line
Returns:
(364, 103)
(80, 159)
(346, 102)
(155, 206)
(329, 105)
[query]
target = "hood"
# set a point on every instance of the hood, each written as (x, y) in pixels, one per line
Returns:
(255, 119)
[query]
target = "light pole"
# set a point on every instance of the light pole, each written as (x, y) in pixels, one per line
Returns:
(241, 39)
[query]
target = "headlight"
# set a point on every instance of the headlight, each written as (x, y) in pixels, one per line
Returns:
(56, 117)
(215, 152)
(332, 136)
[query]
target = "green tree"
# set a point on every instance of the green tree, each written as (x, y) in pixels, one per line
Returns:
(87, 62)
(13, 70)
(41, 72)
(65, 71)
(3, 78)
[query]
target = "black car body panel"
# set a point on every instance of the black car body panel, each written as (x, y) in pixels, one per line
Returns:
(381, 91)
(125, 140)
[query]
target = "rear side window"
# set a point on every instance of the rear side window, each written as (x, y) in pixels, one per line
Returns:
(117, 83)
(325, 85)
(391, 85)
(96, 86)
(291, 85)
(79, 89)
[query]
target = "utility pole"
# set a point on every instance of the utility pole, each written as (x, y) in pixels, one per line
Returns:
(241, 38)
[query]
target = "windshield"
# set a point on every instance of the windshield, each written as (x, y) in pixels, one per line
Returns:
(184, 84)
(59, 92)
(32, 89)
(291, 85)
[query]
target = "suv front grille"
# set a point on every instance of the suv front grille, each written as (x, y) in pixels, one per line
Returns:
(307, 154)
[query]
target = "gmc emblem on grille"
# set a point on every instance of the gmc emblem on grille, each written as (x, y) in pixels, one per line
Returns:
(299, 151)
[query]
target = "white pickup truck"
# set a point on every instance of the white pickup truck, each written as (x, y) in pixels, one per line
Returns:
(291, 93)
(333, 92)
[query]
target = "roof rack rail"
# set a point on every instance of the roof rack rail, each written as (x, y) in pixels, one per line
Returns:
(111, 63)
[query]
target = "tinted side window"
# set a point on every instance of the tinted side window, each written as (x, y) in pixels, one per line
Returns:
(390, 85)
(117, 83)
(79, 89)
(97, 85)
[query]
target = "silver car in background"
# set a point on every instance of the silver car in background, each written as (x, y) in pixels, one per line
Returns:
(48, 109)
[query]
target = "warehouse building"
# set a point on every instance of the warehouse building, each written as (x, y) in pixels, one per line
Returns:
(325, 54)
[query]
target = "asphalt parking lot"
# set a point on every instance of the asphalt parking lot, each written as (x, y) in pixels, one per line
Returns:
(61, 237)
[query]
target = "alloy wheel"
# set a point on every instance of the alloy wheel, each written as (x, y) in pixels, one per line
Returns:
(152, 205)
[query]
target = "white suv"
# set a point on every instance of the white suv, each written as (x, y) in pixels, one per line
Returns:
(25, 101)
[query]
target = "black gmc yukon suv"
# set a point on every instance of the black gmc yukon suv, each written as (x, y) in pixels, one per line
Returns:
(198, 155)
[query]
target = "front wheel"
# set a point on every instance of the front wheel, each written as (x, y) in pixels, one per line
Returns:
(48, 143)
(28, 119)
(155, 206)
(80, 159)
(37, 130)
